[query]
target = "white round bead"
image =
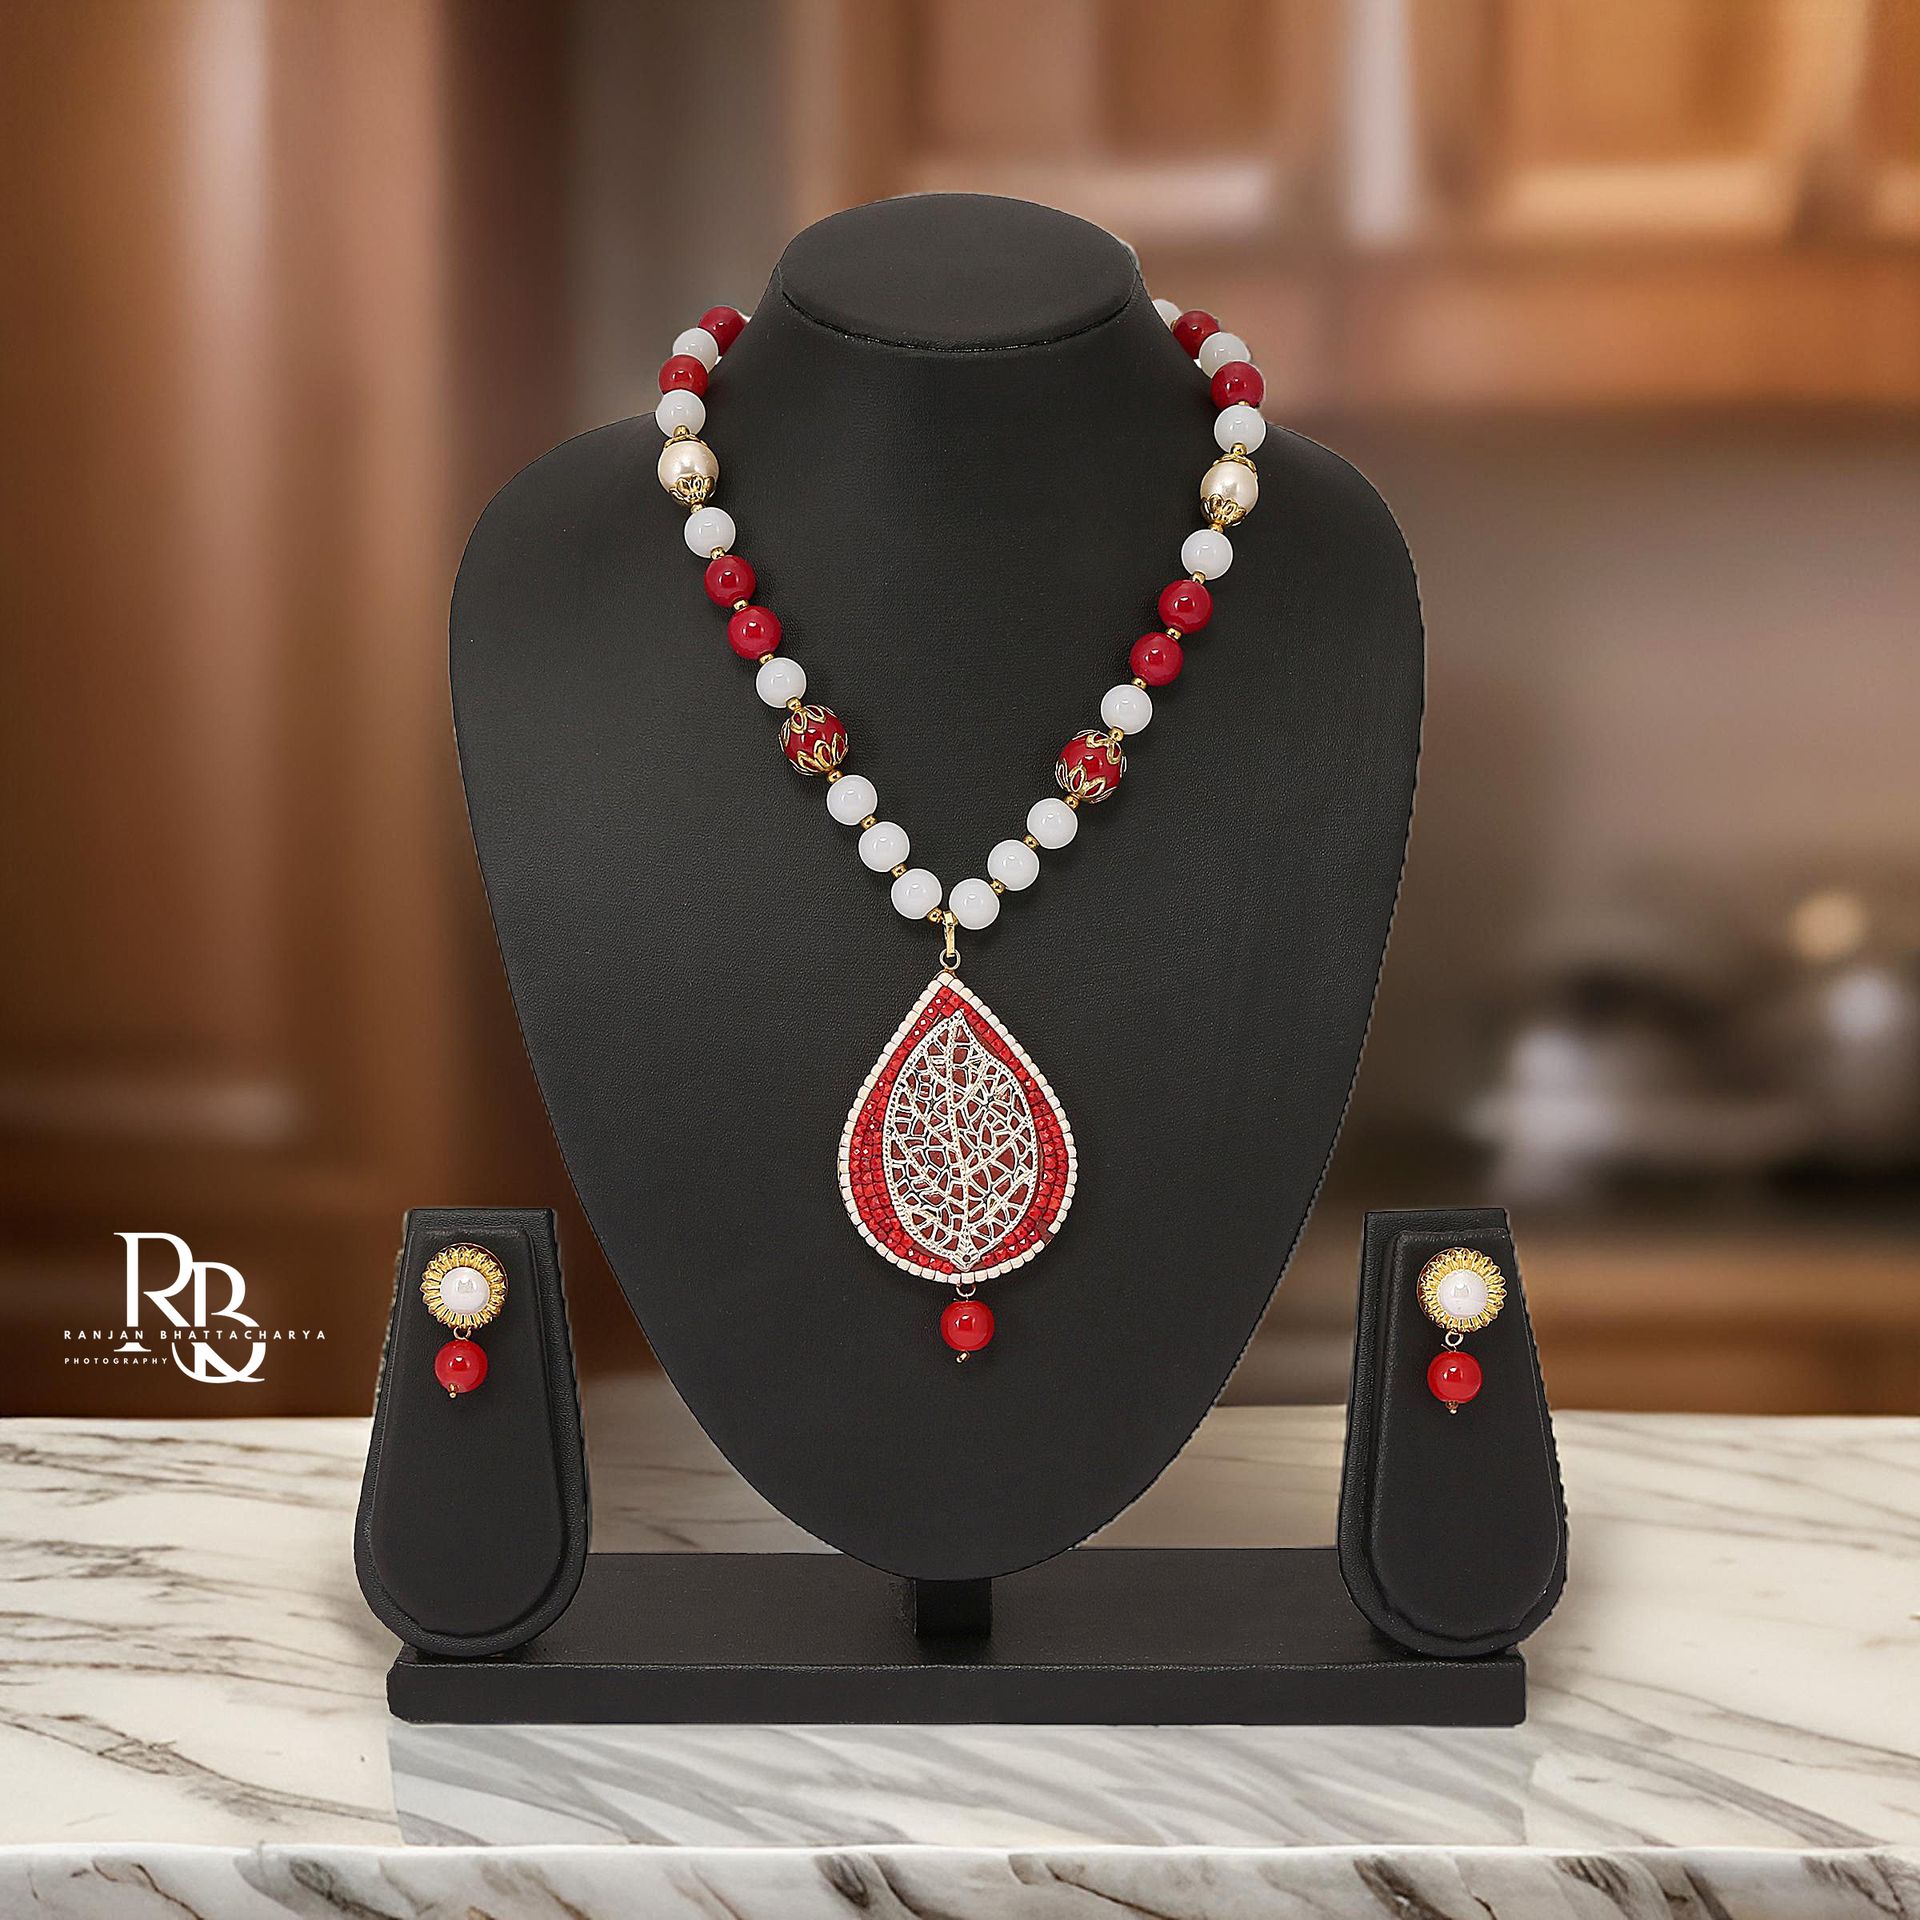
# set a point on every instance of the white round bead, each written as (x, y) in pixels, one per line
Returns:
(701, 344)
(1462, 1295)
(464, 1290)
(711, 530)
(975, 904)
(684, 461)
(1052, 822)
(916, 893)
(680, 409)
(781, 680)
(1203, 552)
(1127, 707)
(851, 798)
(1239, 426)
(1014, 864)
(1218, 348)
(1228, 480)
(884, 846)
(1167, 311)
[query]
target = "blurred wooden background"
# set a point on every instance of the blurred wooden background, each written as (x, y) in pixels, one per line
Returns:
(1619, 305)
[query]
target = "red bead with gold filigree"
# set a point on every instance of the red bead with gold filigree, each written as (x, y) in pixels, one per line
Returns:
(1089, 767)
(814, 738)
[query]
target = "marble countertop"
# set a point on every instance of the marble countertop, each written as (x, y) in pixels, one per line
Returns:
(1724, 1720)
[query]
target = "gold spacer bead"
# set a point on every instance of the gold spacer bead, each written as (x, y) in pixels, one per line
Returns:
(680, 433)
(999, 886)
(898, 871)
(1116, 735)
(1138, 682)
(1238, 452)
(761, 662)
(1027, 840)
(795, 704)
(1201, 578)
(1174, 633)
(716, 553)
(740, 606)
(872, 820)
(935, 917)
(833, 773)
(1073, 800)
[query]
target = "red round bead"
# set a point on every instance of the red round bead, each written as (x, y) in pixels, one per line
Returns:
(1089, 767)
(724, 323)
(460, 1366)
(1157, 659)
(1185, 604)
(1238, 383)
(1193, 327)
(814, 739)
(753, 632)
(682, 370)
(729, 580)
(1453, 1377)
(966, 1325)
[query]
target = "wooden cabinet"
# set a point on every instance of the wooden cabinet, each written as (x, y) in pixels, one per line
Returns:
(247, 994)
(1435, 203)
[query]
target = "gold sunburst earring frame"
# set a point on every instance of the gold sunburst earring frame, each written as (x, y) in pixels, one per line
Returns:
(484, 1264)
(1461, 1260)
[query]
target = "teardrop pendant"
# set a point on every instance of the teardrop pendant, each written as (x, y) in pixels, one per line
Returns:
(957, 1162)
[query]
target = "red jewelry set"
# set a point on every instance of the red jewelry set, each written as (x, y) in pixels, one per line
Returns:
(957, 1161)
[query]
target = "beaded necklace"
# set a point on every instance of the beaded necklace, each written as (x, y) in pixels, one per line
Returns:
(956, 1162)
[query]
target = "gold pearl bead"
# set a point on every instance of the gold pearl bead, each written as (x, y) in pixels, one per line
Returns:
(1229, 490)
(688, 470)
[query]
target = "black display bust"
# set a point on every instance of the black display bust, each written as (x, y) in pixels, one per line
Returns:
(962, 451)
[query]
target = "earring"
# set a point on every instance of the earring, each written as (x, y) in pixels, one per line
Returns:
(464, 1288)
(1461, 1291)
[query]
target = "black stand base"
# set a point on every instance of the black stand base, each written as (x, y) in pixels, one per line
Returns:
(1102, 1636)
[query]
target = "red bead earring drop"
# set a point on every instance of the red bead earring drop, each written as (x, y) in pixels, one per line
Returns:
(464, 1287)
(1460, 1292)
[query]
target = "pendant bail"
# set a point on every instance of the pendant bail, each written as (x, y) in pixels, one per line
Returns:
(950, 959)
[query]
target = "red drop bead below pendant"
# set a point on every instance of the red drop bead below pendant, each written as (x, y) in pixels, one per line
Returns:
(724, 323)
(460, 1366)
(966, 1325)
(754, 632)
(1239, 383)
(729, 580)
(1454, 1378)
(1185, 604)
(1193, 327)
(1157, 659)
(683, 372)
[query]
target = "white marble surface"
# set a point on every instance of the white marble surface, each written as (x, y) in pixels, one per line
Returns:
(1725, 1710)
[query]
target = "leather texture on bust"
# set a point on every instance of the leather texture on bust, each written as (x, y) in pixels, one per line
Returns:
(962, 542)
(1453, 1534)
(472, 1528)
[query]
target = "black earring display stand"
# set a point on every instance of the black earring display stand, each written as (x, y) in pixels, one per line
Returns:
(962, 451)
